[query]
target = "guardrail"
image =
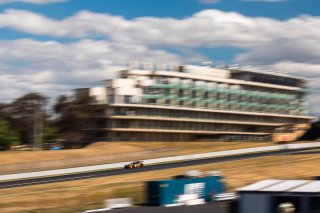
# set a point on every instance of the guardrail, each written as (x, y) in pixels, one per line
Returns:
(75, 170)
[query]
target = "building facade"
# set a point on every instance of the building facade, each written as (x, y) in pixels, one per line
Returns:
(193, 103)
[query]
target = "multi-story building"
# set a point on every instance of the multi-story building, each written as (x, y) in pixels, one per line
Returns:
(192, 103)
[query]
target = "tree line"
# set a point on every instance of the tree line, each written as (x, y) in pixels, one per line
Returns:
(28, 120)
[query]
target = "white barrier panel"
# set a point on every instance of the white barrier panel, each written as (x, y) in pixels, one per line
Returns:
(174, 204)
(303, 145)
(157, 161)
(185, 197)
(195, 202)
(118, 203)
(96, 210)
(189, 200)
(113, 204)
(225, 196)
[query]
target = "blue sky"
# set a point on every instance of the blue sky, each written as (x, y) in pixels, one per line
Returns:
(131, 9)
(172, 8)
(54, 46)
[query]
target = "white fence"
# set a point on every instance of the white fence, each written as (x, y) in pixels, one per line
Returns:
(157, 161)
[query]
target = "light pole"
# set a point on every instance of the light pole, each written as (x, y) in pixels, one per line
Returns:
(37, 125)
(34, 145)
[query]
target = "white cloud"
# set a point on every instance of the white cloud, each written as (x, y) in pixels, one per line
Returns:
(209, 27)
(31, 1)
(208, 1)
(206, 28)
(28, 22)
(267, 40)
(290, 45)
(264, 0)
(309, 71)
(54, 68)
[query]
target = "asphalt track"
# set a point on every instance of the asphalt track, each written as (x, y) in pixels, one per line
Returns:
(104, 173)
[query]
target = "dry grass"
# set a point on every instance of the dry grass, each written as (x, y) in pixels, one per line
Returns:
(108, 152)
(75, 196)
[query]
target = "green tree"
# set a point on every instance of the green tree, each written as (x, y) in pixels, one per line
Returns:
(26, 114)
(75, 115)
(50, 134)
(8, 137)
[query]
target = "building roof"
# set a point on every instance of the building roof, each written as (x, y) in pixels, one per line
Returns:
(296, 186)
(258, 71)
(210, 78)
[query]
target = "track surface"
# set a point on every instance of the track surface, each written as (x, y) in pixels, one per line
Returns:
(69, 177)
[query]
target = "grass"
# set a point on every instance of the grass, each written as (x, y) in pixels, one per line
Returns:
(108, 152)
(76, 196)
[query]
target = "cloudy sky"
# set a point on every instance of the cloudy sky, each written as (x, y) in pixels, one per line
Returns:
(54, 46)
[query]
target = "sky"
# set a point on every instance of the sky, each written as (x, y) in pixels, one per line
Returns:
(55, 46)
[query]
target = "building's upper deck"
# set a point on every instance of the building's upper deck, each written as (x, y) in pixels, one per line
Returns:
(267, 77)
(224, 75)
(207, 87)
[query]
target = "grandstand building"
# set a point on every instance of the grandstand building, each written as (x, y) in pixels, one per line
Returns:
(194, 103)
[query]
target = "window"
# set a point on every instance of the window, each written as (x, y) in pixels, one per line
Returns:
(110, 99)
(151, 101)
(166, 92)
(206, 95)
(193, 94)
(180, 93)
(127, 99)
(151, 91)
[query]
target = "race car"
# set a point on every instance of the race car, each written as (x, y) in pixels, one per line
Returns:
(134, 164)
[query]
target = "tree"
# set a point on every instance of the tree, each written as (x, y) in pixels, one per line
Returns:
(27, 115)
(50, 133)
(8, 137)
(75, 114)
